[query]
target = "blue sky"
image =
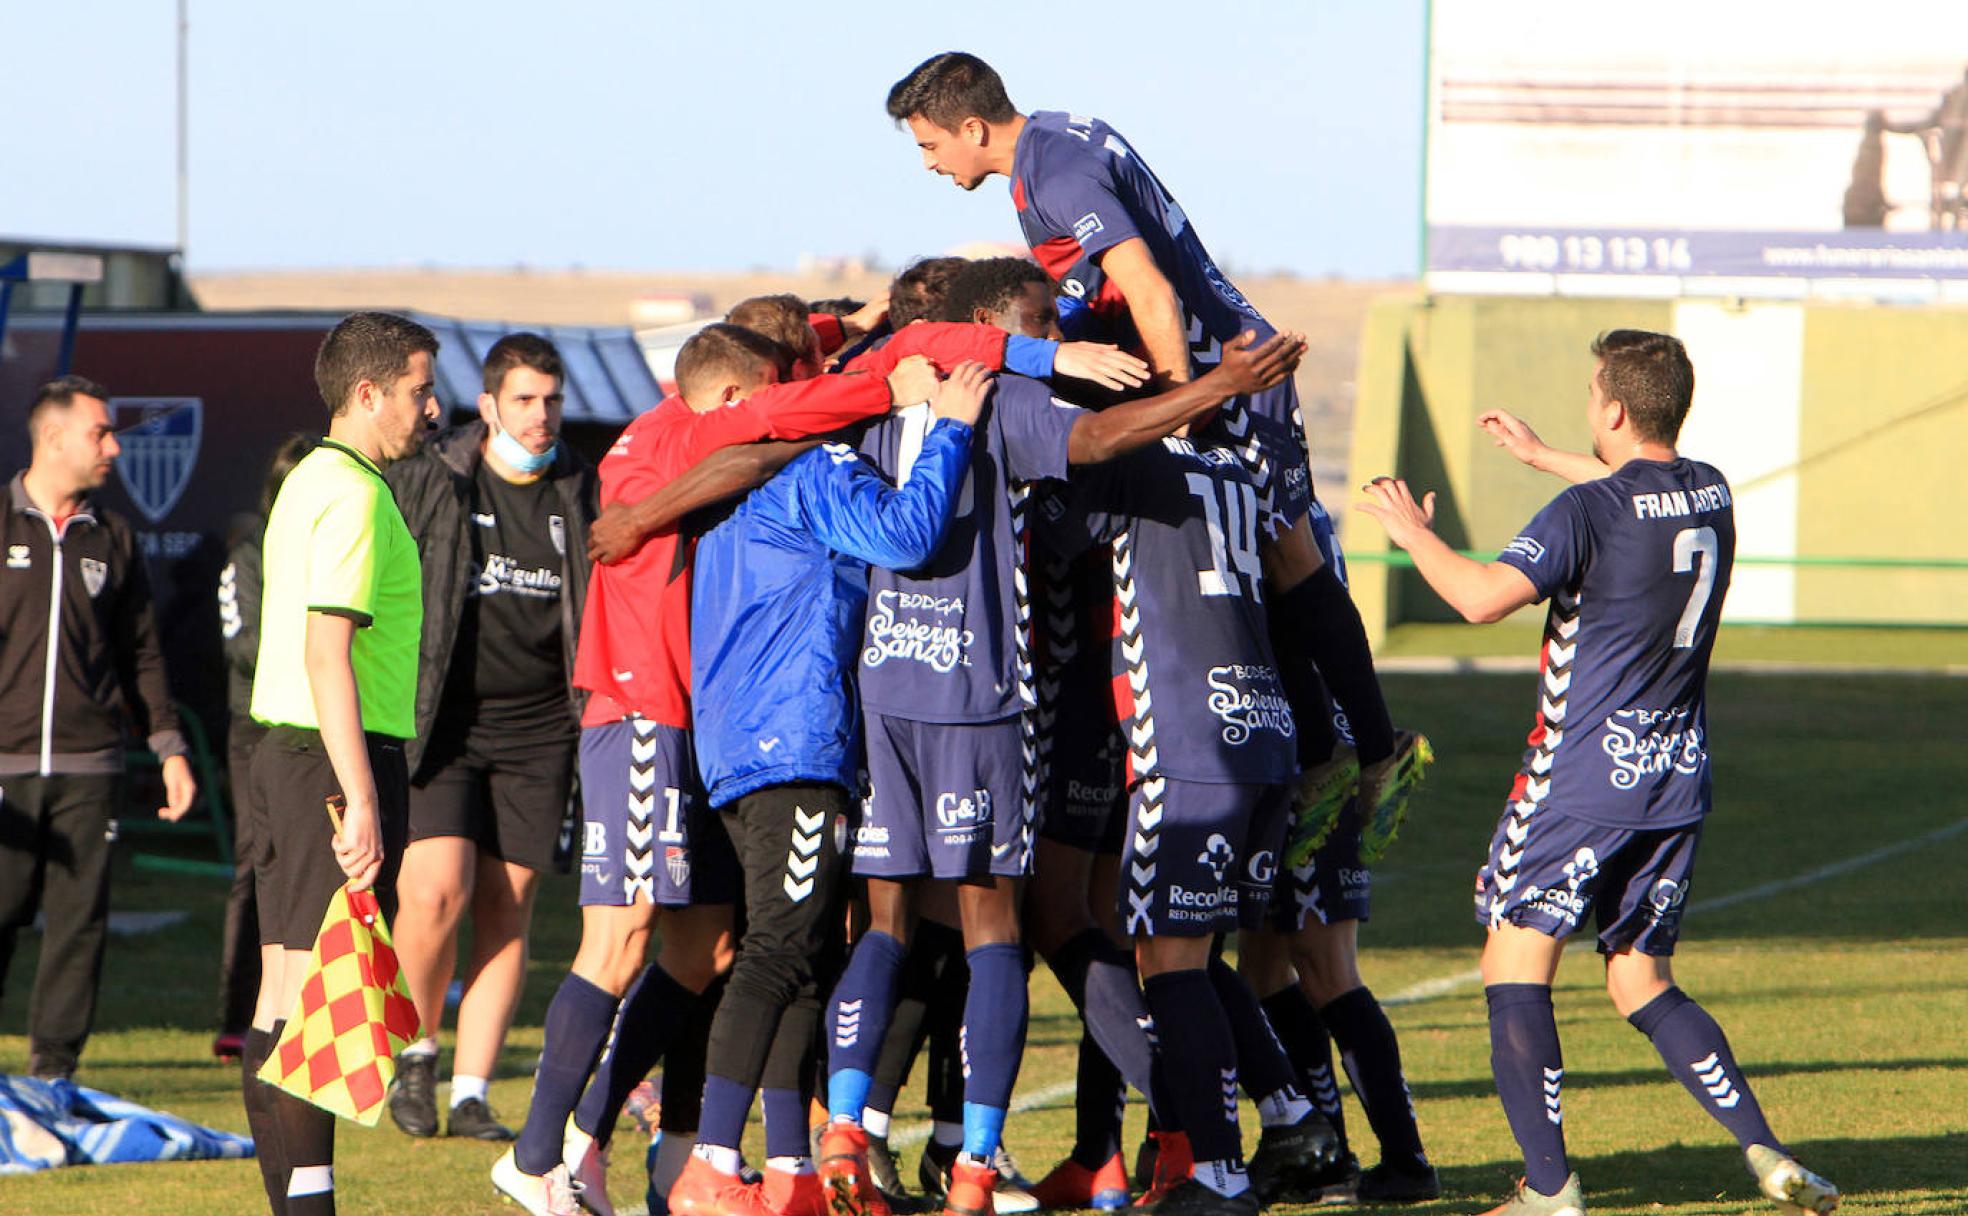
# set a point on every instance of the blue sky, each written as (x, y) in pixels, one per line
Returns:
(690, 137)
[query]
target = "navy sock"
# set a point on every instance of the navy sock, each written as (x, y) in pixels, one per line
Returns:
(1261, 1061)
(577, 1024)
(655, 1010)
(1198, 1060)
(683, 1064)
(1697, 1053)
(1332, 633)
(1299, 1028)
(1099, 977)
(1372, 1056)
(1530, 1070)
(1099, 1100)
(858, 1019)
(993, 1041)
(722, 1121)
(785, 1123)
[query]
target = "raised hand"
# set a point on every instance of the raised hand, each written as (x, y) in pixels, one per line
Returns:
(1248, 368)
(962, 396)
(1105, 365)
(913, 380)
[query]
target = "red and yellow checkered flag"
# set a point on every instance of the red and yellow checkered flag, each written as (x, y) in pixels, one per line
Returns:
(354, 1014)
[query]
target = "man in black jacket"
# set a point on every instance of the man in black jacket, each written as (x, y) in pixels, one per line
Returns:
(79, 662)
(500, 509)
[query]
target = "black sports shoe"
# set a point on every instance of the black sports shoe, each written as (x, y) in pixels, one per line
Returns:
(413, 1098)
(472, 1119)
(933, 1169)
(887, 1177)
(1386, 1183)
(1335, 1183)
(1192, 1198)
(1289, 1158)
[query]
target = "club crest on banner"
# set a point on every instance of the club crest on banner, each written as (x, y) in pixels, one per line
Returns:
(160, 438)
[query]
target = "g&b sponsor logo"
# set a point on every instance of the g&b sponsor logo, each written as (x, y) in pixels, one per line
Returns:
(905, 626)
(594, 839)
(1652, 742)
(959, 817)
(1248, 700)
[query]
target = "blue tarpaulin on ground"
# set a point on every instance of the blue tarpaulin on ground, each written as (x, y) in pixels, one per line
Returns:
(44, 1124)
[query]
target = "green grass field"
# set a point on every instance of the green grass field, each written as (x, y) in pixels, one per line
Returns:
(1842, 994)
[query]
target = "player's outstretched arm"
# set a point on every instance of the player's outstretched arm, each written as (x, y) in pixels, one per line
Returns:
(622, 527)
(854, 510)
(1481, 591)
(1515, 436)
(1246, 368)
(1152, 305)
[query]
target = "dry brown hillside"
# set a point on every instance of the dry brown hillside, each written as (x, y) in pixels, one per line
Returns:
(1329, 312)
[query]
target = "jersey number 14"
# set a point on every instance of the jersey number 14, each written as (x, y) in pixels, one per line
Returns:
(1230, 511)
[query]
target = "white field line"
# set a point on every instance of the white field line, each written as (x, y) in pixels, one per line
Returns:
(1445, 984)
(915, 1133)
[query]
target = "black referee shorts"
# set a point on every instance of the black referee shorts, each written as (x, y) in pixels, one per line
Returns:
(297, 874)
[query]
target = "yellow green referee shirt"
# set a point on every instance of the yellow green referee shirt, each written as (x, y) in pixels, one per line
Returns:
(336, 543)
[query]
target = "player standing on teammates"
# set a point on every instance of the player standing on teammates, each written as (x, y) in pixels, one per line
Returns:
(500, 509)
(336, 685)
(1133, 269)
(1606, 812)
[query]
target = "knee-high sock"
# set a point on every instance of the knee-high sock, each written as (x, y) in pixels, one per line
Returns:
(683, 1066)
(935, 958)
(577, 1024)
(1332, 633)
(1697, 1052)
(1261, 1061)
(1198, 1060)
(655, 1010)
(258, 1096)
(307, 1136)
(857, 1021)
(1530, 1071)
(1372, 1057)
(1099, 977)
(1099, 1100)
(1299, 1028)
(993, 1039)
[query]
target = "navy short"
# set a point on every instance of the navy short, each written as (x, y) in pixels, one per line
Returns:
(1200, 858)
(1086, 804)
(648, 832)
(1333, 885)
(1549, 871)
(947, 800)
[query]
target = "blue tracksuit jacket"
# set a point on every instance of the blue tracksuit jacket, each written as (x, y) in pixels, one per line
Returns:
(780, 591)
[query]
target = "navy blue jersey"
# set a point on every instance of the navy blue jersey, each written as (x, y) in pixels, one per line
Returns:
(1080, 190)
(1635, 566)
(949, 640)
(1194, 679)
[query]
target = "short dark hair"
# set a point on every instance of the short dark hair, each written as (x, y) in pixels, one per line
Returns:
(522, 350)
(837, 306)
(781, 318)
(948, 88)
(990, 284)
(1651, 376)
(372, 346)
(59, 394)
(917, 293)
(723, 349)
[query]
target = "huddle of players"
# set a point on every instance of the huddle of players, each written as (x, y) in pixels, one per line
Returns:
(874, 606)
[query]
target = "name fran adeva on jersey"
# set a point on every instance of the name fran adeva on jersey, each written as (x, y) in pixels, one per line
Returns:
(1675, 504)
